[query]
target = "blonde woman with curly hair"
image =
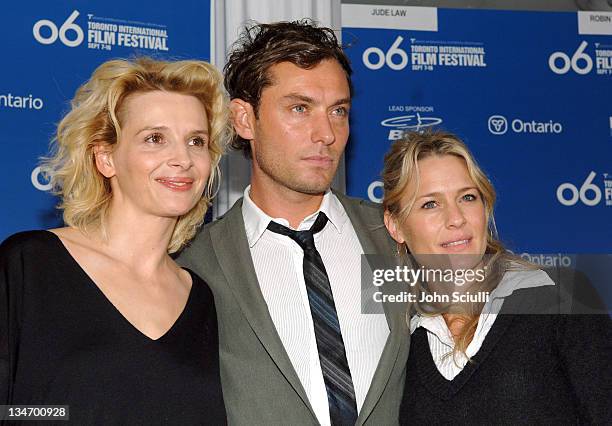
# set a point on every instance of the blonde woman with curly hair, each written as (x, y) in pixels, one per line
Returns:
(497, 347)
(97, 315)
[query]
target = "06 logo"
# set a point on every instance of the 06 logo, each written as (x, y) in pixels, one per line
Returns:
(376, 191)
(589, 193)
(68, 27)
(580, 62)
(39, 180)
(381, 58)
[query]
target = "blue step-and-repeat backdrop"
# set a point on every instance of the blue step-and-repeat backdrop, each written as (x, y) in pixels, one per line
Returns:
(531, 95)
(50, 48)
(529, 92)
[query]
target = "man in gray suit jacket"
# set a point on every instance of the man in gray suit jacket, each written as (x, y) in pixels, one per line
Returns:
(290, 355)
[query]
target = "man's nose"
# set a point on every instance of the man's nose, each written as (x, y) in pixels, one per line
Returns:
(323, 130)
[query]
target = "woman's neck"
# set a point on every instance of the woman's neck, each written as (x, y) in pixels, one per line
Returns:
(137, 240)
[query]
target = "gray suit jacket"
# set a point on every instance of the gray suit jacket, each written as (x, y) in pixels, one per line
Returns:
(260, 386)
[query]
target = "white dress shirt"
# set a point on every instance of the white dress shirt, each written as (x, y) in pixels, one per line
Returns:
(440, 339)
(278, 264)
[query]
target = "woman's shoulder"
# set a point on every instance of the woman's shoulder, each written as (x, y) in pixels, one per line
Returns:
(201, 305)
(529, 277)
(27, 241)
(27, 258)
(198, 285)
(518, 279)
(558, 290)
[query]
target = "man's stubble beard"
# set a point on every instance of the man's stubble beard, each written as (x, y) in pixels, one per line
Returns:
(289, 179)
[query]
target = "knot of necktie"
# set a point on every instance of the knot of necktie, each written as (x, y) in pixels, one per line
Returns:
(305, 239)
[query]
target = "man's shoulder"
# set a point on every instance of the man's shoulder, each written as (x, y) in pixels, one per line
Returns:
(362, 213)
(356, 202)
(235, 212)
(210, 233)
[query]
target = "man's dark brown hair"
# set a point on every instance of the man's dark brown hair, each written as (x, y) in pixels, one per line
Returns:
(261, 46)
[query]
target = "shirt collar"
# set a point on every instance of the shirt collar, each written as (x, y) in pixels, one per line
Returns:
(256, 220)
(433, 324)
(510, 282)
(516, 280)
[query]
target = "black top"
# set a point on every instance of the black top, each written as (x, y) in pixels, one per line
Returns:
(62, 342)
(531, 369)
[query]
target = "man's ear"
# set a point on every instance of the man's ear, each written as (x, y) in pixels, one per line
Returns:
(243, 118)
(104, 160)
(393, 228)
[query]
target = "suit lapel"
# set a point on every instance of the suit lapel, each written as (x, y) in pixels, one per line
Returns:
(374, 239)
(232, 250)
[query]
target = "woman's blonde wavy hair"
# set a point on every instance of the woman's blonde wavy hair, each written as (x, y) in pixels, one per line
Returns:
(401, 168)
(94, 120)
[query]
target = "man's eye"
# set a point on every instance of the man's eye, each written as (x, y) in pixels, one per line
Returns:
(340, 111)
(198, 141)
(155, 138)
(299, 108)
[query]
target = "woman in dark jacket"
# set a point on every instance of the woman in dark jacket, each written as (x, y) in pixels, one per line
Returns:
(513, 347)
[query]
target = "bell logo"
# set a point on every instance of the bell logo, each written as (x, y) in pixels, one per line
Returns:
(498, 125)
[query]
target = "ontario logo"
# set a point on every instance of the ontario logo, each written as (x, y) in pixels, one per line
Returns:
(414, 122)
(499, 125)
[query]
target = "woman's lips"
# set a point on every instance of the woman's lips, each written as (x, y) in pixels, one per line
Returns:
(457, 244)
(176, 183)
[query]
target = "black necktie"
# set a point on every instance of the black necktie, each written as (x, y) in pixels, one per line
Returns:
(336, 373)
